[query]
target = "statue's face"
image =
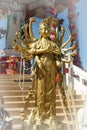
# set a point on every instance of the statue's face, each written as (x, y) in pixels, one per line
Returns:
(45, 31)
(48, 28)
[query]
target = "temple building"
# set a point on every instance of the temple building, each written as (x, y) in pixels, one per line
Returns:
(16, 78)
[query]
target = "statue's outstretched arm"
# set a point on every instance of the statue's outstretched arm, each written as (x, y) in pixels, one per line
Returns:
(62, 36)
(31, 20)
(26, 33)
(67, 42)
(17, 47)
(23, 51)
(20, 39)
(29, 50)
(66, 61)
(74, 53)
(71, 48)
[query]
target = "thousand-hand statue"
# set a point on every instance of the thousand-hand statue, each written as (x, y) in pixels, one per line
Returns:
(47, 52)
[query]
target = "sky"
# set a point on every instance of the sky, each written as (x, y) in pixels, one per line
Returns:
(82, 31)
(81, 7)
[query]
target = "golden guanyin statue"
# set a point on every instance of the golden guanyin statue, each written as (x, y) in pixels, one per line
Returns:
(46, 50)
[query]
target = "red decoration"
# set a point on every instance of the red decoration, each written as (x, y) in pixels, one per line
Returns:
(52, 37)
(59, 77)
(28, 13)
(66, 70)
(53, 25)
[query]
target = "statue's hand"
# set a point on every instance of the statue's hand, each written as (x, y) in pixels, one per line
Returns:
(32, 20)
(62, 30)
(15, 46)
(58, 64)
(18, 34)
(32, 51)
(70, 37)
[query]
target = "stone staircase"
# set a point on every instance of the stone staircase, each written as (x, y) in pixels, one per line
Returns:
(14, 99)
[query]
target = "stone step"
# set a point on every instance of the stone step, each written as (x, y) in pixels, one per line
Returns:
(15, 92)
(32, 101)
(21, 94)
(20, 105)
(14, 99)
(18, 120)
(21, 97)
(16, 111)
(17, 79)
(63, 127)
(9, 76)
(18, 97)
(18, 91)
(15, 82)
(15, 114)
(13, 87)
(19, 108)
